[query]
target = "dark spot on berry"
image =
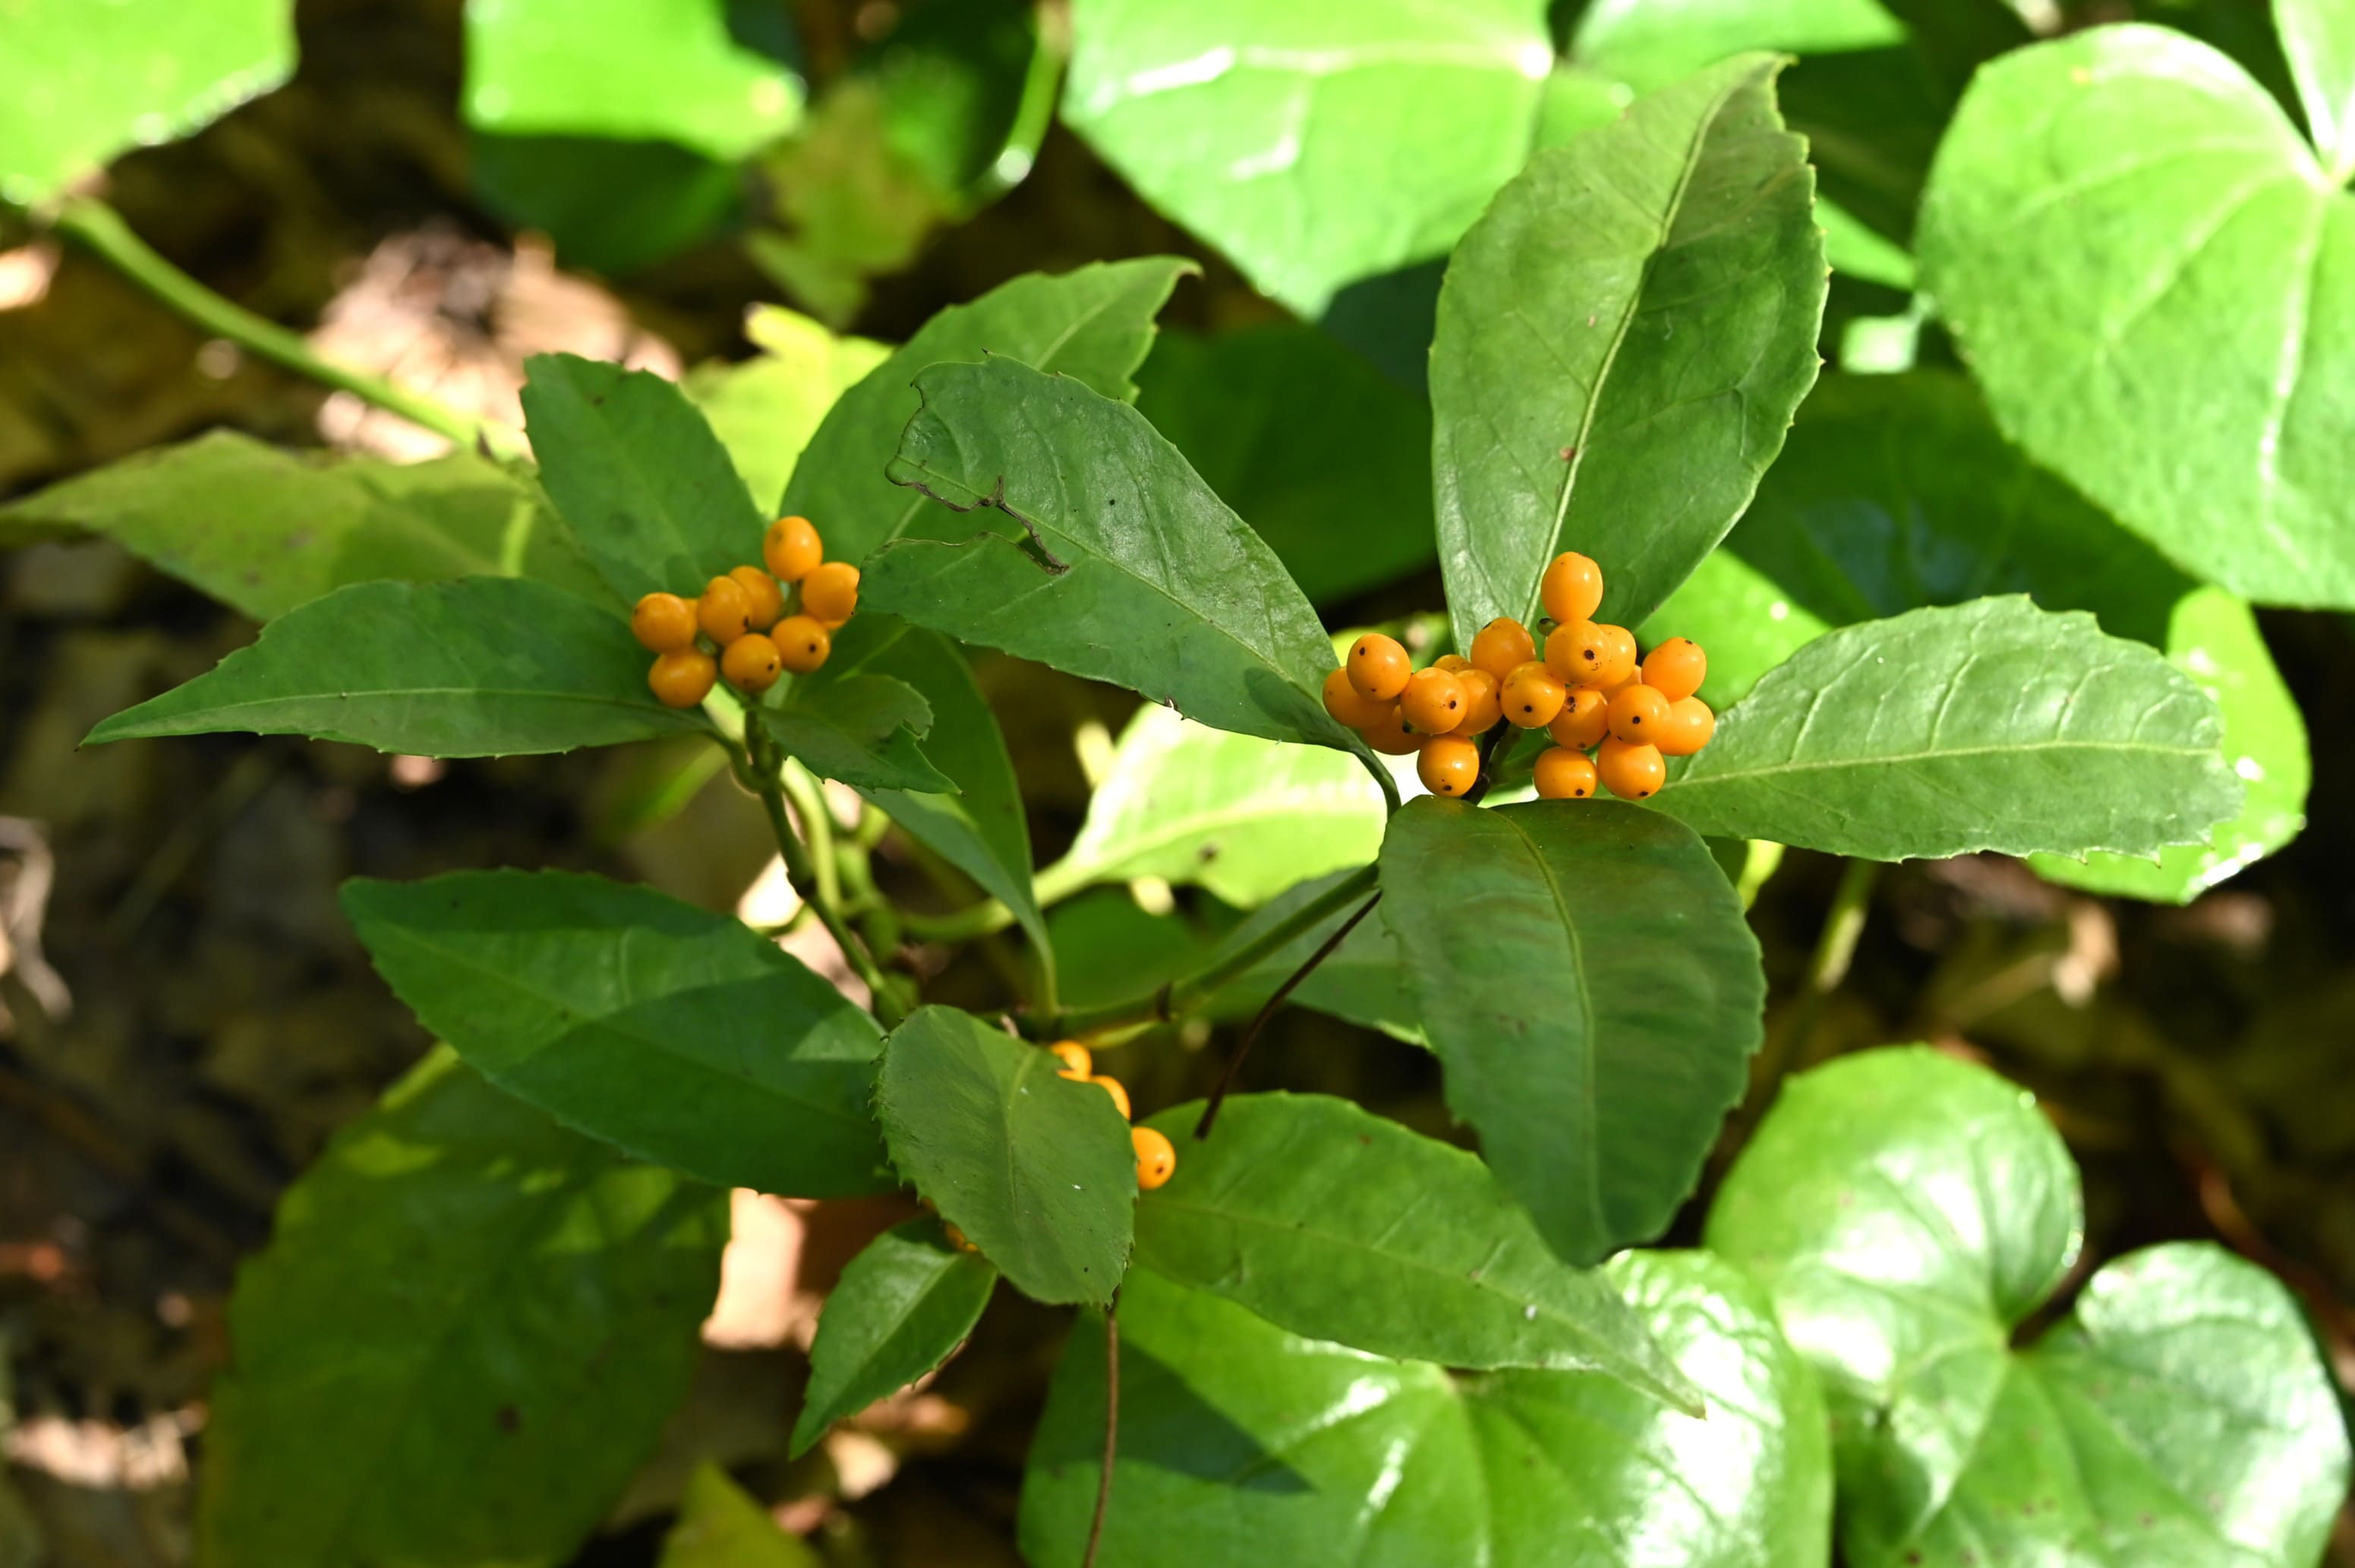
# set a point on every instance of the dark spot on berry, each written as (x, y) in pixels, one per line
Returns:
(508, 1419)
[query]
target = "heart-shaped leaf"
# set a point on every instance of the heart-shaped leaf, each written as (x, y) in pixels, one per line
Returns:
(1622, 340)
(1035, 1168)
(477, 667)
(862, 729)
(1240, 1443)
(1584, 973)
(679, 1035)
(1338, 1224)
(1987, 725)
(1906, 1211)
(902, 1304)
(1127, 568)
(2155, 282)
(2318, 36)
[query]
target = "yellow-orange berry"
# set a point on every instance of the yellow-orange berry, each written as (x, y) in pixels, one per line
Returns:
(1112, 1087)
(1533, 696)
(830, 593)
(1453, 663)
(724, 610)
(682, 677)
(1564, 775)
(1571, 587)
(1574, 652)
(1482, 708)
(1434, 701)
(1378, 667)
(792, 548)
(1687, 729)
(1156, 1161)
(1630, 772)
(1636, 712)
(1676, 668)
(1350, 705)
(663, 623)
(1503, 646)
(1584, 719)
(802, 643)
(761, 594)
(1074, 1056)
(1391, 737)
(1618, 663)
(1449, 765)
(751, 663)
(956, 1238)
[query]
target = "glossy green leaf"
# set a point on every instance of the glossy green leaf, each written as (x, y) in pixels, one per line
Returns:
(1093, 325)
(263, 530)
(676, 1035)
(1906, 1211)
(1338, 1224)
(467, 1331)
(1277, 133)
(1035, 1170)
(903, 1305)
(1326, 458)
(649, 491)
(859, 728)
(2318, 37)
(766, 408)
(1596, 1019)
(721, 1527)
(1127, 568)
(1622, 341)
(1243, 817)
(706, 74)
(964, 91)
(89, 81)
(2154, 283)
(1651, 45)
(1240, 1443)
(477, 667)
(1363, 981)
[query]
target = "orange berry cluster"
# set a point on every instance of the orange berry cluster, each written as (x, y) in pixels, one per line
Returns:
(1156, 1158)
(1588, 691)
(743, 617)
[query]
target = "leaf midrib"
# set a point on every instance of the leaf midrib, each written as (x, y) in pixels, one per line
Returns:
(1588, 1092)
(1896, 759)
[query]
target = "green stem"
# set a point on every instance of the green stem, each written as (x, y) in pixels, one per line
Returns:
(808, 797)
(764, 770)
(99, 230)
(1827, 966)
(986, 918)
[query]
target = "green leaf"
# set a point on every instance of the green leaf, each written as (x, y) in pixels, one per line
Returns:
(1988, 724)
(264, 530)
(1327, 459)
(1596, 1020)
(676, 1035)
(1907, 1212)
(1653, 46)
(1622, 341)
(91, 81)
(904, 1304)
(1243, 817)
(766, 408)
(648, 489)
(2319, 39)
(706, 74)
(467, 1330)
(861, 730)
(1277, 132)
(1363, 981)
(1093, 325)
(1128, 570)
(720, 1526)
(477, 667)
(609, 206)
(2155, 284)
(1341, 1226)
(1239, 1443)
(1035, 1170)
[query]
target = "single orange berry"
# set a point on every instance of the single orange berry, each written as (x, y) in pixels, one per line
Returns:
(802, 643)
(792, 548)
(1571, 587)
(830, 593)
(1156, 1161)
(1503, 646)
(682, 677)
(762, 594)
(1449, 765)
(1584, 719)
(1434, 701)
(724, 610)
(1687, 729)
(1676, 668)
(1618, 661)
(1482, 708)
(1575, 651)
(1636, 712)
(1391, 737)
(1350, 705)
(1378, 667)
(1074, 1056)
(1533, 696)
(663, 623)
(1564, 774)
(1112, 1087)
(751, 663)
(1630, 772)
(1453, 663)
